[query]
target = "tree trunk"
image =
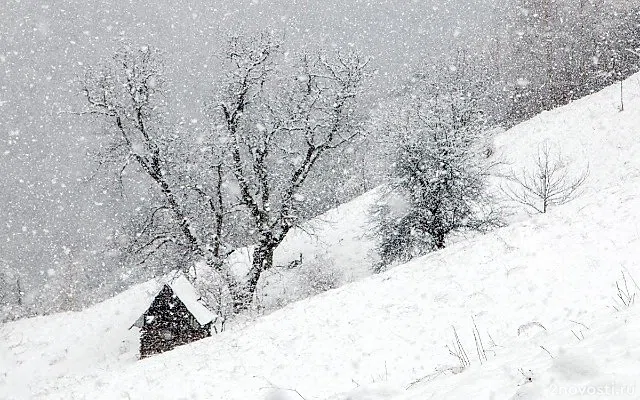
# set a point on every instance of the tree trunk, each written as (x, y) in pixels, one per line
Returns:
(19, 291)
(439, 241)
(262, 260)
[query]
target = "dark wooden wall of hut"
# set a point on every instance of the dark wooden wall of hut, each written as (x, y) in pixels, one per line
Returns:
(167, 324)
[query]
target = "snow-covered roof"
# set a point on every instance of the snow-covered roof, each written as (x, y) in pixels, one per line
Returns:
(184, 290)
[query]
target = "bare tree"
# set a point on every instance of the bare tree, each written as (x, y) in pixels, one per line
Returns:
(273, 121)
(549, 183)
(127, 95)
(278, 123)
(439, 175)
(11, 293)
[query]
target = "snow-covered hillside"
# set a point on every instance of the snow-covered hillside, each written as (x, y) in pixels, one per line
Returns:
(540, 293)
(37, 354)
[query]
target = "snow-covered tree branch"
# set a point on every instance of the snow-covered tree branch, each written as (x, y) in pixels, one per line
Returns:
(274, 117)
(127, 95)
(279, 118)
(439, 175)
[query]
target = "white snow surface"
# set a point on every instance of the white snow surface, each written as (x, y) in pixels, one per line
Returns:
(540, 291)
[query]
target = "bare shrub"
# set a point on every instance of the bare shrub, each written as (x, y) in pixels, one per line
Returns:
(215, 293)
(285, 284)
(625, 297)
(477, 338)
(320, 275)
(457, 350)
(529, 326)
(277, 393)
(549, 183)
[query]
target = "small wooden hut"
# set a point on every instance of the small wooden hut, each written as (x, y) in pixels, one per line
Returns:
(175, 317)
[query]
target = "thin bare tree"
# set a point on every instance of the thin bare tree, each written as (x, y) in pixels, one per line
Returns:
(549, 183)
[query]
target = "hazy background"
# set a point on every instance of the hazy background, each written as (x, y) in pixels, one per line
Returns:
(51, 214)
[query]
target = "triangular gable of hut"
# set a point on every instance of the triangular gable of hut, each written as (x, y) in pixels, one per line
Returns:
(188, 295)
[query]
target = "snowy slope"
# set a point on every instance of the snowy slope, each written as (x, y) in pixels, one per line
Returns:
(394, 327)
(61, 349)
(603, 365)
(588, 132)
(337, 241)
(527, 285)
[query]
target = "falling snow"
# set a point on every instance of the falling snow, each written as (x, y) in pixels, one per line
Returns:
(268, 134)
